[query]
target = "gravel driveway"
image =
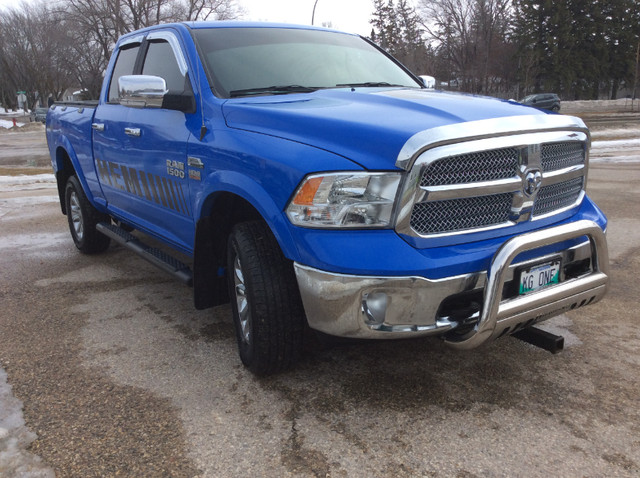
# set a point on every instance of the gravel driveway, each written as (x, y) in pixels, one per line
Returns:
(118, 375)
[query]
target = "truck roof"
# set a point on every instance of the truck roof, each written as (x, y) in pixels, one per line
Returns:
(229, 24)
(245, 24)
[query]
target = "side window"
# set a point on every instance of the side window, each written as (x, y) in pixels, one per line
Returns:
(161, 61)
(124, 66)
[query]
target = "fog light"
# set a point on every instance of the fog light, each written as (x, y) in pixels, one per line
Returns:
(374, 307)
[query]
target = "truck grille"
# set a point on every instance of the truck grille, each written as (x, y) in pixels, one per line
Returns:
(557, 156)
(472, 167)
(558, 196)
(460, 214)
(483, 189)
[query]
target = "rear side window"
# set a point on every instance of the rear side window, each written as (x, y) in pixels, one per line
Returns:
(161, 61)
(124, 66)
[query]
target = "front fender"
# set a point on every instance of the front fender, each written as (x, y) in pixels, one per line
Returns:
(251, 191)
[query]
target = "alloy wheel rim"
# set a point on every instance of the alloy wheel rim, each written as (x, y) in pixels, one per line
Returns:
(76, 216)
(242, 302)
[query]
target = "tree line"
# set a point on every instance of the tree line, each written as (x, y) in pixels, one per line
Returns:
(47, 47)
(580, 49)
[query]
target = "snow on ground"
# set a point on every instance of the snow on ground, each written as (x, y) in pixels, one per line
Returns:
(15, 437)
(9, 124)
(4, 112)
(618, 133)
(23, 181)
(600, 106)
(18, 194)
(616, 145)
(4, 123)
(616, 151)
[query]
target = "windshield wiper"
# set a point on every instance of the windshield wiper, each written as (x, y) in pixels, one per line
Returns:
(275, 90)
(368, 84)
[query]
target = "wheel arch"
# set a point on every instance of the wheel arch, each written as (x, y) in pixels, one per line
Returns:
(219, 213)
(67, 164)
(64, 170)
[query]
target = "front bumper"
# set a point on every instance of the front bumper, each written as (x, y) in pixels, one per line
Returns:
(395, 307)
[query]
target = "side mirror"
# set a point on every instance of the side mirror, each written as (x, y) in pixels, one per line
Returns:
(141, 91)
(145, 91)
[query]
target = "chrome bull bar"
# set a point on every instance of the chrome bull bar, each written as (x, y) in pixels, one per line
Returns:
(499, 317)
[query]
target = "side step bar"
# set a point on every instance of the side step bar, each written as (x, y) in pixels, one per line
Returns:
(155, 256)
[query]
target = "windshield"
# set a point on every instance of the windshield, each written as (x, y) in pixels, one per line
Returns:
(258, 61)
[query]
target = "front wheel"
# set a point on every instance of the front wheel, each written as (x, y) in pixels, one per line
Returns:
(267, 310)
(83, 218)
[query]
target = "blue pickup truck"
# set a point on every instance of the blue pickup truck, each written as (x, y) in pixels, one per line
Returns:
(313, 181)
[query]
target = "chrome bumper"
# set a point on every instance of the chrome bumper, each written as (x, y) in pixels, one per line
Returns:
(397, 307)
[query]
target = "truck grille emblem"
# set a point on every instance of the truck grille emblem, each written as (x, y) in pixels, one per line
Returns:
(531, 182)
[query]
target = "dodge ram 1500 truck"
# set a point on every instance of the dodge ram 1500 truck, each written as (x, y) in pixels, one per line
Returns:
(312, 179)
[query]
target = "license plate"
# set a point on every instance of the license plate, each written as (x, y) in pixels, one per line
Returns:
(539, 276)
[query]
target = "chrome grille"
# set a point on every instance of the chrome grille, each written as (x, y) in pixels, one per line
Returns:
(472, 167)
(460, 214)
(558, 196)
(472, 190)
(557, 156)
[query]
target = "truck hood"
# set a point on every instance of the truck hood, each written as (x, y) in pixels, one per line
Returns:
(365, 125)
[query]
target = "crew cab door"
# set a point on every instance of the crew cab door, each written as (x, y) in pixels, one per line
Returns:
(140, 152)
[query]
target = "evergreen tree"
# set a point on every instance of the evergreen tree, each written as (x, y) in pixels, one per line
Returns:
(578, 48)
(396, 28)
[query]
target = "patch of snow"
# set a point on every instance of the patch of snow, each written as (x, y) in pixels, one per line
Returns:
(42, 242)
(15, 438)
(10, 205)
(19, 112)
(22, 182)
(616, 151)
(600, 106)
(616, 144)
(9, 124)
(617, 133)
(22, 192)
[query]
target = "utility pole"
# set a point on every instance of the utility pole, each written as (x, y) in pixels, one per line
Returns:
(635, 79)
(313, 14)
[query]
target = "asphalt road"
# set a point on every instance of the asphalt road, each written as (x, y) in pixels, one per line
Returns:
(120, 376)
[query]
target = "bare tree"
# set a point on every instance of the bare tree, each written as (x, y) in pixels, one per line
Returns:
(470, 37)
(490, 25)
(33, 45)
(95, 25)
(193, 10)
(449, 23)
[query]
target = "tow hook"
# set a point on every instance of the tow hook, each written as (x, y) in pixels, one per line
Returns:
(541, 338)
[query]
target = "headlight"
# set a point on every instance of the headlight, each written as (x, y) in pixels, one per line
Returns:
(354, 200)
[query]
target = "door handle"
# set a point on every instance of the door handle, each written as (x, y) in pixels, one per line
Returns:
(98, 126)
(132, 131)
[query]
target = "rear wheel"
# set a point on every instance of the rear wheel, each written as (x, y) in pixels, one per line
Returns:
(267, 310)
(83, 217)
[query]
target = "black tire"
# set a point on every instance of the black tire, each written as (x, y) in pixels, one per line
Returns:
(267, 310)
(555, 108)
(83, 217)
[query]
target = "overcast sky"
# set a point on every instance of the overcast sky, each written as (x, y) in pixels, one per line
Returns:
(348, 15)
